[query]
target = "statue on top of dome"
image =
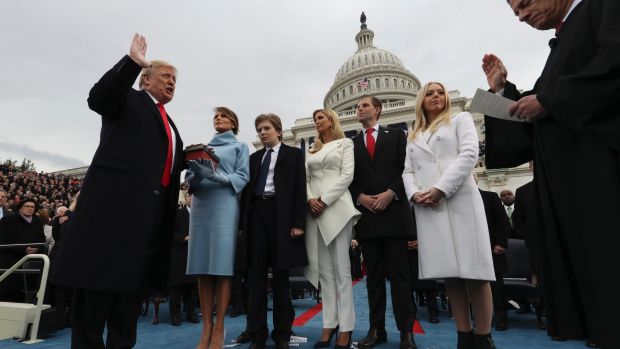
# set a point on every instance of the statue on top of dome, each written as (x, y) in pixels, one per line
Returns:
(363, 20)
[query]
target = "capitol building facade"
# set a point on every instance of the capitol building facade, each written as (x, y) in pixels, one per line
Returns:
(378, 72)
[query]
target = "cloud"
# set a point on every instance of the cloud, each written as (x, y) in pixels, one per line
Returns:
(42, 159)
(277, 56)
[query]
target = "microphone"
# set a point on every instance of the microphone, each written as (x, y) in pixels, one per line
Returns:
(553, 42)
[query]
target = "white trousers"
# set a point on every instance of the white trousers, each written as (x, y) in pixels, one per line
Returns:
(335, 279)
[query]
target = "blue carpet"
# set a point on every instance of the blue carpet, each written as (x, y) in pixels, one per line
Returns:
(522, 331)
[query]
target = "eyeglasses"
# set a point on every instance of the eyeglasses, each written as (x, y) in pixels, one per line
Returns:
(27, 206)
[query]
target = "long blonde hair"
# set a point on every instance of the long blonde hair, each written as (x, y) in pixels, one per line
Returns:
(420, 123)
(335, 130)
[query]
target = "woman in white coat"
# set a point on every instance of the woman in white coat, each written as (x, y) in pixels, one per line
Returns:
(329, 227)
(452, 230)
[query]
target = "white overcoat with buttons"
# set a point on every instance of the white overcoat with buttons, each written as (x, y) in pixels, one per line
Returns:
(453, 237)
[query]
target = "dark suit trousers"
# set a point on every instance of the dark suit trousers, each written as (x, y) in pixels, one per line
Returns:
(92, 309)
(262, 241)
(388, 257)
(497, 289)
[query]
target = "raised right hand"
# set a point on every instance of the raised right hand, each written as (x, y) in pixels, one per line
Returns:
(137, 50)
(495, 71)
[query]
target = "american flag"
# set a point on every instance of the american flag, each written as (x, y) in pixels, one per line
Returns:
(363, 84)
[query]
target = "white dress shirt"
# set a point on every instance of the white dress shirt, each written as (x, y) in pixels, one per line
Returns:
(270, 187)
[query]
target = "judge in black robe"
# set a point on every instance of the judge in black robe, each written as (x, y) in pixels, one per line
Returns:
(573, 134)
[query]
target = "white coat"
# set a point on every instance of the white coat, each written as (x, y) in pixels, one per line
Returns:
(453, 237)
(328, 175)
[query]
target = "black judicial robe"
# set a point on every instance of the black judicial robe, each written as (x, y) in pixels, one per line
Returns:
(576, 149)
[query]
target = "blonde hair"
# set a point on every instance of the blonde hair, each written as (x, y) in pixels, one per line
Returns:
(420, 123)
(335, 130)
(151, 68)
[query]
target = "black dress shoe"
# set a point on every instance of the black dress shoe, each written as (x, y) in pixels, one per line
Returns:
(175, 321)
(257, 345)
(327, 343)
(407, 341)
(433, 318)
(280, 344)
(375, 336)
(244, 338)
(591, 344)
(191, 317)
(501, 326)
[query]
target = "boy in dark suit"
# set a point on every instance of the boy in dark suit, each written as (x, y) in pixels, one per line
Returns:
(273, 218)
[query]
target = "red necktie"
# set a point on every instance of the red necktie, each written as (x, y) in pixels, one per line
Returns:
(165, 178)
(370, 142)
(558, 28)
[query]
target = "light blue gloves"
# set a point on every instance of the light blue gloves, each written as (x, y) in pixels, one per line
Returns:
(205, 169)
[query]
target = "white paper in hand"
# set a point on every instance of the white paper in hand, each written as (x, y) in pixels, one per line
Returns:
(490, 104)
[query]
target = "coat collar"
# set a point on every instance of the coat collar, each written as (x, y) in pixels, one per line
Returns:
(328, 148)
(223, 138)
(146, 98)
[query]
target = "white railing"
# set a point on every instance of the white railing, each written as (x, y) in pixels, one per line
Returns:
(40, 293)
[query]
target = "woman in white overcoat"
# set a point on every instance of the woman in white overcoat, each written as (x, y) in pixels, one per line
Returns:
(329, 227)
(453, 236)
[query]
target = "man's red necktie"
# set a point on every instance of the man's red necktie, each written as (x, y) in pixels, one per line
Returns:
(370, 142)
(558, 28)
(165, 178)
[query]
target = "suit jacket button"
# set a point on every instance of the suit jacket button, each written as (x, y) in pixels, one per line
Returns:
(156, 192)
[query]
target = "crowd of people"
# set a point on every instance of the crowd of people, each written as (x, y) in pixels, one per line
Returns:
(399, 196)
(49, 191)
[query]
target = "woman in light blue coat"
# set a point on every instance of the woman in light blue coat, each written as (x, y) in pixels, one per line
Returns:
(213, 222)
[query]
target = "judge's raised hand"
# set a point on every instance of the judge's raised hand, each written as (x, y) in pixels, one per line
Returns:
(137, 51)
(527, 108)
(495, 71)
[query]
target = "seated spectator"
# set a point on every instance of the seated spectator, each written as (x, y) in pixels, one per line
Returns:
(21, 228)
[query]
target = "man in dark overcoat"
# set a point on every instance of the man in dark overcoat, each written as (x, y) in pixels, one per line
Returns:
(499, 231)
(573, 127)
(386, 223)
(183, 287)
(135, 169)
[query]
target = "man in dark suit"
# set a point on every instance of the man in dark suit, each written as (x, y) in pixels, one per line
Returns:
(386, 224)
(573, 127)
(137, 165)
(273, 217)
(526, 225)
(499, 231)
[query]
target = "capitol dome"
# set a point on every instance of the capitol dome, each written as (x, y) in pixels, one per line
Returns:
(370, 70)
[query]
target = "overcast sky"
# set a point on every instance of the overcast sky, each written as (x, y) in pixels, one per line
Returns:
(257, 56)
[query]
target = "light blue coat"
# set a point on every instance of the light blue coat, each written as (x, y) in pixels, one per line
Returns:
(215, 210)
